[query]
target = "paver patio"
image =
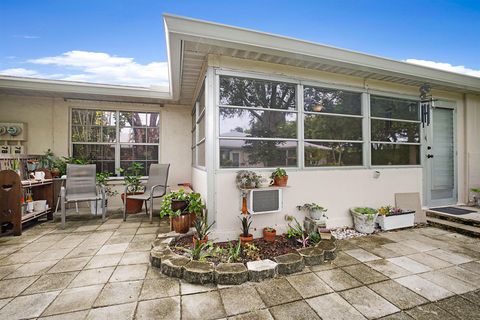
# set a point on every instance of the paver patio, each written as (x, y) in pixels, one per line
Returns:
(95, 270)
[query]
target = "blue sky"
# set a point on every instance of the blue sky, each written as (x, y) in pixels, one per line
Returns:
(123, 41)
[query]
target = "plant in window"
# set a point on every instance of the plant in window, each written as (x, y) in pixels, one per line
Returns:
(315, 211)
(246, 179)
(280, 177)
(364, 219)
(246, 223)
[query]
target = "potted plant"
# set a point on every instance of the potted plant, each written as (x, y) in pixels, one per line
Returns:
(49, 161)
(269, 234)
(246, 179)
(280, 177)
(102, 181)
(195, 206)
(315, 211)
(132, 177)
(476, 197)
(246, 236)
(202, 230)
(390, 218)
(296, 233)
(179, 205)
(364, 219)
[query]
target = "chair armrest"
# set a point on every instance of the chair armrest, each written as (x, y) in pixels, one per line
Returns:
(152, 190)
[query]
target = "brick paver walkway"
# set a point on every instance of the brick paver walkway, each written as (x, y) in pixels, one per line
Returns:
(94, 270)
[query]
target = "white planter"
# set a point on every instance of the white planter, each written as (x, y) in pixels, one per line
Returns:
(99, 206)
(363, 223)
(318, 215)
(396, 221)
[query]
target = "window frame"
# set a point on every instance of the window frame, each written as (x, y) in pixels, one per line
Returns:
(117, 142)
(300, 83)
(199, 116)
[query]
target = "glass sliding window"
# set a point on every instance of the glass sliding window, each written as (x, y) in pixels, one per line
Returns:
(395, 131)
(333, 129)
(96, 136)
(257, 123)
(198, 130)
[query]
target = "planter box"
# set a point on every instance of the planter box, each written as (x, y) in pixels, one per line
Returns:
(397, 221)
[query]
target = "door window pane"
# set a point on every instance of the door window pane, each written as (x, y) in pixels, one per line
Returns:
(201, 154)
(332, 128)
(257, 153)
(332, 101)
(393, 108)
(256, 93)
(395, 131)
(257, 123)
(395, 154)
(323, 154)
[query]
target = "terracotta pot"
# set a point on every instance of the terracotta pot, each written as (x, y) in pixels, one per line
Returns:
(269, 236)
(281, 181)
(55, 173)
(246, 239)
(133, 205)
(181, 224)
(179, 205)
(193, 218)
(195, 240)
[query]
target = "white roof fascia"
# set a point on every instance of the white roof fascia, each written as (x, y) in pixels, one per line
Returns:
(240, 38)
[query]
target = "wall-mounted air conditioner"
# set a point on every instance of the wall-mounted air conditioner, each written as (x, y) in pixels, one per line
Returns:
(266, 200)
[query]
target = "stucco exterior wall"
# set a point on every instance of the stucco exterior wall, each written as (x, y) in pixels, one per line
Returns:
(472, 137)
(48, 128)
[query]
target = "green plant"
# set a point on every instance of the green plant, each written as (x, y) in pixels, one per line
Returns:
(102, 180)
(251, 251)
(369, 212)
(311, 207)
(475, 190)
(246, 223)
(246, 179)
(48, 160)
(314, 237)
(269, 229)
(132, 176)
(200, 251)
(385, 210)
(295, 231)
(195, 204)
(234, 252)
(61, 163)
(202, 228)
(279, 172)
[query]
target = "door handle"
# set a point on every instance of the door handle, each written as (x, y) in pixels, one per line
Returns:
(429, 156)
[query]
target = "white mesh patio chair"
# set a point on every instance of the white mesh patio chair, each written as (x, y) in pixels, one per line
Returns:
(156, 187)
(81, 186)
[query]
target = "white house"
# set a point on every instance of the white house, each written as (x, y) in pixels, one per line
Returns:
(240, 98)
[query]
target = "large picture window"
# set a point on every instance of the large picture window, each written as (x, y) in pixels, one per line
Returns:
(395, 131)
(113, 139)
(333, 130)
(198, 130)
(258, 123)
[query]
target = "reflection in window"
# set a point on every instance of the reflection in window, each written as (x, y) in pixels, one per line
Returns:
(332, 101)
(332, 128)
(395, 154)
(324, 154)
(96, 135)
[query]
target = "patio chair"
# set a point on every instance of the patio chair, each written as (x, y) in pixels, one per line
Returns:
(156, 187)
(81, 186)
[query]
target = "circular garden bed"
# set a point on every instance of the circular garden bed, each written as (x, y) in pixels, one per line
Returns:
(172, 254)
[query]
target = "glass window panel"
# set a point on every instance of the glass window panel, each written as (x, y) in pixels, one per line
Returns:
(194, 118)
(201, 154)
(109, 134)
(139, 119)
(86, 134)
(152, 153)
(94, 151)
(332, 101)
(194, 156)
(139, 152)
(201, 101)
(332, 128)
(257, 93)
(201, 129)
(153, 135)
(395, 131)
(133, 135)
(153, 119)
(125, 164)
(257, 123)
(257, 153)
(326, 154)
(194, 138)
(393, 108)
(395, 154)
(126, 152)
(125, 119)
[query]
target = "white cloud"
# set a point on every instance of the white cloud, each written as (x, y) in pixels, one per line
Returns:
(445, 66)
(25, 36)
(97, 67)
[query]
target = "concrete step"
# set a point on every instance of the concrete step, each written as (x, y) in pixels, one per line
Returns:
(455, 226)
(455, 218)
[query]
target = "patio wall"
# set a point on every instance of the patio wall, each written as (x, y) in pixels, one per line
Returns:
(48, 128)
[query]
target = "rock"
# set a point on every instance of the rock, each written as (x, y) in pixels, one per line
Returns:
(329, 247)
(289, 263)
(199, 272)
(261, 269)
(171, 234)
(173, 266)
(157, 254)
(311, 256)
(231, 273)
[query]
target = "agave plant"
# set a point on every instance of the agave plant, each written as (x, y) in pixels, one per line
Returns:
(234, 252)
(200, 251)
(202, 228)
(246, 222)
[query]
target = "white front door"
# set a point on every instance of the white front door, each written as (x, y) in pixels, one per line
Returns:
(440, 156)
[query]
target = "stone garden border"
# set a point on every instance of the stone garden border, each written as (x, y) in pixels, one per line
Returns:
(179, 266)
